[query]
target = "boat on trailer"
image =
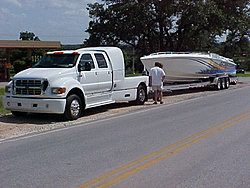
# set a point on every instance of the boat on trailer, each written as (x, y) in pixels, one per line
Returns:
(186, 67)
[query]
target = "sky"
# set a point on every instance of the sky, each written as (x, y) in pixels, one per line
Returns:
(50, 20)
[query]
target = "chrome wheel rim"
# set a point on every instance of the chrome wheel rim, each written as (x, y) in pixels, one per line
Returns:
(227, 83)
(219, 84)
(142, 95)
(75, 107)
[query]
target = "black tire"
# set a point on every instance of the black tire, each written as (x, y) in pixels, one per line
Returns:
(73, 109)
(141, 95)
(227, 83)
(222, 83)
(19, 114)
(218, 86)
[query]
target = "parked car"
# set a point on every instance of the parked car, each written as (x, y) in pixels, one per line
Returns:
(240, 71)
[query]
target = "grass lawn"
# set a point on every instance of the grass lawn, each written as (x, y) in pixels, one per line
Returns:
(244, 75)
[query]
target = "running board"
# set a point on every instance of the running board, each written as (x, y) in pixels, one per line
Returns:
(99, 103)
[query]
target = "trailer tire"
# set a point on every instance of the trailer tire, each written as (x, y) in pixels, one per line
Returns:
(19, 114)
(218, 86)
(141, 95)
(73, 109)
(222, 83)
(227, 83)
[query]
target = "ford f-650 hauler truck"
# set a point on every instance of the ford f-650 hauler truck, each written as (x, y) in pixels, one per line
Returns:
(67, 82)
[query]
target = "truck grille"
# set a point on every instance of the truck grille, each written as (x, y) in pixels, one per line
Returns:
(29, 87)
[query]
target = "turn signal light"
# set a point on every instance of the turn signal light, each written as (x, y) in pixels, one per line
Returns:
(58, 90)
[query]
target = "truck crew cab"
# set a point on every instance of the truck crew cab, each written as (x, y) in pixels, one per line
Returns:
(67, 82)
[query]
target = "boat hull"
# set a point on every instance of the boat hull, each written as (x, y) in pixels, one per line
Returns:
(185, 68)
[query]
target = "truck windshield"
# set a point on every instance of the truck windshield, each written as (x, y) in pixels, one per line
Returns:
(57, 61)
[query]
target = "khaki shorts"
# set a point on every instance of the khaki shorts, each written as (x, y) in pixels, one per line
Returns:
(157, 88)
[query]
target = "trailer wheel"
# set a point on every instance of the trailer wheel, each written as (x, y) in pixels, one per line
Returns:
(19, 114)
(141, 95)
(218, 86)
(227, 83)
(222, 83)
(73, 109)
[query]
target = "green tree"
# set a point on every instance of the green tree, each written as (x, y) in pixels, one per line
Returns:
(28, 36)
(159, 25)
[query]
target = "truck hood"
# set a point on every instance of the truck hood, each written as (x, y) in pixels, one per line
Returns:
(45, 73)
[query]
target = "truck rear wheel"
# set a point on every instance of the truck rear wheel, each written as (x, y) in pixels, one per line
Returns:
(141, 95)
(73, 109)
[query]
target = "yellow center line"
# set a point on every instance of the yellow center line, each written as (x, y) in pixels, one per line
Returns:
(106, 180)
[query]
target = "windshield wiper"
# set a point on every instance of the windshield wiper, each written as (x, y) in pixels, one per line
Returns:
(55, 66)
(50, 66)
(39, 66)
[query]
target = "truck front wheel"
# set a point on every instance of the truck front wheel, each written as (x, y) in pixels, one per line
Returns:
(73, 109)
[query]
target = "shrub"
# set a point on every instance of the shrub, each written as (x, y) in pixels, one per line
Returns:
(19, 65)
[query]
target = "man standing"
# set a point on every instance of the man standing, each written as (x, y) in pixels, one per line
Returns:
(156, 78)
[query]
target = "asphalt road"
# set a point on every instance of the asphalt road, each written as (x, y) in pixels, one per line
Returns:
(202, 142)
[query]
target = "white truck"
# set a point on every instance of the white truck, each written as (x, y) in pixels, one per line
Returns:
(67, 82)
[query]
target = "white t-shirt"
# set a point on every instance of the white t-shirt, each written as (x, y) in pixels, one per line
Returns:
(156, 73)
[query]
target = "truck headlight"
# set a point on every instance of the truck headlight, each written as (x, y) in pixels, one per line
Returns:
(7, 89)
(58, 90)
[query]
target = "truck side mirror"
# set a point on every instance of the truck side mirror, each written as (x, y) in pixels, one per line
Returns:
(79, 67)
(84, 67)
(87, 66)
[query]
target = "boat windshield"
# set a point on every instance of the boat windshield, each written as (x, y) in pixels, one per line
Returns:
(57, 61)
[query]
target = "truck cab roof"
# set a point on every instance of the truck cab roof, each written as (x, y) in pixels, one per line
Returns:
(114, 54)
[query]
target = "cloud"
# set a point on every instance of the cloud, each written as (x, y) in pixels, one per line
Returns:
(63, 4)
(4, 11)
(63, 20)
(69, 4)
(23, 3)
(78, 12)
(68, 8)
(15, 2)
(6, 14)
(11, 21)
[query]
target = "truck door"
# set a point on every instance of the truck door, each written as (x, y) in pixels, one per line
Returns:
(104, 72)
(89, 78)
